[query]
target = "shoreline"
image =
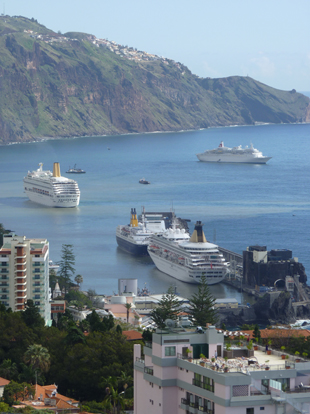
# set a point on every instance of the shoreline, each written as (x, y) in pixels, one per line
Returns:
(43, 139)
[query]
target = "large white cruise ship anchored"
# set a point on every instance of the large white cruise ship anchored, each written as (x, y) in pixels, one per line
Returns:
(134, 238)
(188, 258)
(51, 189)
(236, 154)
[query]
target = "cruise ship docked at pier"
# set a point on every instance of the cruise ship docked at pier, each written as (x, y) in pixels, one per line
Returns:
(188, 258)
(134, 238)
(51, 189)
(236, 154)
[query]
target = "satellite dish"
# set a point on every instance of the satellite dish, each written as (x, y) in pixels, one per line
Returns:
(170, 323)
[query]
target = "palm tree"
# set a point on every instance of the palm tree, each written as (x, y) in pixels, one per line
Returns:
(38, 357)
(125, 380)
(128, 306)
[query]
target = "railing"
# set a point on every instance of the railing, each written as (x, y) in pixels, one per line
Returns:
(203, 385)
(148, 370)
(148, 344)
(185, 401)
(193, 404)
(140, 360)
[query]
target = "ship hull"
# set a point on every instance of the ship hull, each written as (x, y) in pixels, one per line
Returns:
(185, 274)
(51, 201)
(132, 248)
(229, 158)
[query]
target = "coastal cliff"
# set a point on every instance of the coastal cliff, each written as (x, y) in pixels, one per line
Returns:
(55, 85)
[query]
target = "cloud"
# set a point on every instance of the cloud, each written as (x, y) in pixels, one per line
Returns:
(265, 66)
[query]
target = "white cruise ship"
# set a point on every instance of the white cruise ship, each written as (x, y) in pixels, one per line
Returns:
(51, 189)
(188, 258)
(236, 154)
(134, 238)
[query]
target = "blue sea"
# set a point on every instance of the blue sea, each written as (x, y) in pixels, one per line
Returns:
(239, 204)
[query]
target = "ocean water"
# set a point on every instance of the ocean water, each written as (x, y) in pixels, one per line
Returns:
(239, 204)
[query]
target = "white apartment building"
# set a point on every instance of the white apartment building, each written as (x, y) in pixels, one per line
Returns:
(24, 273)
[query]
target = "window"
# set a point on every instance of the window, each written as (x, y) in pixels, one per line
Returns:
(250, 410)
(170, 351)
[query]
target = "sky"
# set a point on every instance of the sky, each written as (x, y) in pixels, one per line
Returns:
(266, 40)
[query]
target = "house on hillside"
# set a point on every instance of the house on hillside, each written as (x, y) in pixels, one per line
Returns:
(47, 398)
(3, 383)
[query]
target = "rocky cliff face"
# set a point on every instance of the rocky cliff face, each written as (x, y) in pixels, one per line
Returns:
(53, 85)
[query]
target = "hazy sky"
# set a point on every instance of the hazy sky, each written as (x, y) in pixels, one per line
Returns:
(268, 40)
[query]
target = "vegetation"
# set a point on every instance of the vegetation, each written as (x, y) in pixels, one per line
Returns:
(66, 265)
(41, 94)
(78, 364)
(201, 309)
(168, 308)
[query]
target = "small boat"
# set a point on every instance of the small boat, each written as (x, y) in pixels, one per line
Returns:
(144, 181)
(75, 170)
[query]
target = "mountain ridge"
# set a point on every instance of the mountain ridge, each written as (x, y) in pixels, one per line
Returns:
(55, 85)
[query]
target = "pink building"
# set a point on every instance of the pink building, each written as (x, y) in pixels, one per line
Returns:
(177, 375)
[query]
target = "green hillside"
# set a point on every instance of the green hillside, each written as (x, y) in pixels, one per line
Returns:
(55, 85)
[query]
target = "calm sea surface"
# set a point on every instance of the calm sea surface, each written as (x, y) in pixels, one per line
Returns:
(240, 205)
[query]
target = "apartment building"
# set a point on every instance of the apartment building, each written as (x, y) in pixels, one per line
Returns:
(184, 372)
(24, 273)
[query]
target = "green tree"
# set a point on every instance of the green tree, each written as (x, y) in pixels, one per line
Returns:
(98, 324)
(8, 370)
(74, 336)
(66, 264)
(168, 308)
(31, 315)
(79, 298)
(201, 309)
(128, 306)
(12, 392)
(4, 408)
(37, 357)
(64, 320)
(256, 333)
(147, 335)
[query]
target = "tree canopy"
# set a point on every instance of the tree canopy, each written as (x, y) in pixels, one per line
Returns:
(168, 308)
(66, 264)
(201, 310)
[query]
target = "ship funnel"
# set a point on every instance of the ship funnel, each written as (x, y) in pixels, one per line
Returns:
(133, 220)
(56, 170)
(198, 235)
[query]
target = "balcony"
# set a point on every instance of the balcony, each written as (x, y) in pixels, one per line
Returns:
(24, 270)
(185, 401)
(19, 296)
(149, 370)
(200, 384)
(20, 281)
(193, 404)
(20, 259)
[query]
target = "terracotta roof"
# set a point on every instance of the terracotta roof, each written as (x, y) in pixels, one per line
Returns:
(3, 382)
(132, 335)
